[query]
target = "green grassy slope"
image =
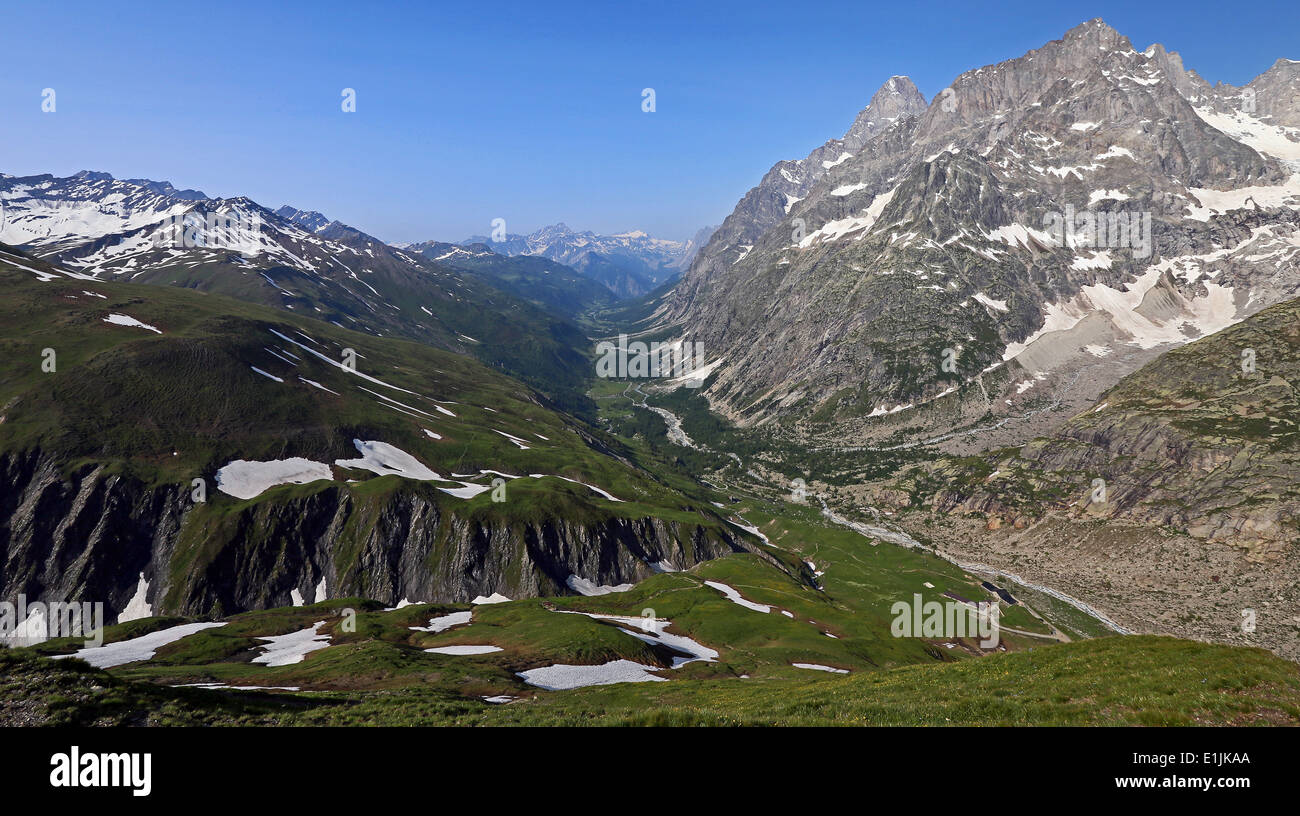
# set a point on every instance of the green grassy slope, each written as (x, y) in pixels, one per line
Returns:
(1116, 681)
(844, 623)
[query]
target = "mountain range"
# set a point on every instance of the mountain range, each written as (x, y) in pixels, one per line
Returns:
(630, 264)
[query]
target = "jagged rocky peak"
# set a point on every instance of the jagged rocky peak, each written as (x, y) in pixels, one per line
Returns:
(789, 181)
(1088, 49)
(1276, 94)
(93, 175)
(1170, 63)
(310, 219)
(897, 99)
(1095, 32)
(163, 188)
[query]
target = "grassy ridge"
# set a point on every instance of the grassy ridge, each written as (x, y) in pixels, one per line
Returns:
(176, 406)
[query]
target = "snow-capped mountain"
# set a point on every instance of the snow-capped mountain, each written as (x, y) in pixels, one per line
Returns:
(148, 232)
(1038, 230)
(630, 264)
(310, 219)
(112, 228)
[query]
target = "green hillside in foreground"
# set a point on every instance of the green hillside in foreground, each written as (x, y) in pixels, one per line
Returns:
(377, 672)
(1143, 680)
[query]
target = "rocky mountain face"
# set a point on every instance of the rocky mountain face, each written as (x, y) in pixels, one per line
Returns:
(1174, 499)
(788, 183)
(309, 219)
(1043, 227)
(147, 232)
(93, 534)
(188, 453)
(630, 264)
(698, 242)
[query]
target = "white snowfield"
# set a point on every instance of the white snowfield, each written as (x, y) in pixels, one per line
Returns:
(840, 228)
(245, 480)
(315, 384)
(1203, 315)
(219, 686)
(1213, 202)
(749, 528)
(136, 649)
(695, 375)
(464, 650)
(444, 622)
(284, 650)
(138, 607)
(494, 598)
(466, 491)
(519, 443)
(636, 627)
(736, 598)
(603, 492)
(819, 667)
(1270, 140)
(565, 676)
(41, 275)
(127, 320)
(387, 460)
(340, 366)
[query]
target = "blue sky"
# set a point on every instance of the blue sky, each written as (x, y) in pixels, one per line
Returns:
(531, 112)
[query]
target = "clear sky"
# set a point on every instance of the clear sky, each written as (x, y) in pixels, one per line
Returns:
(531, 112)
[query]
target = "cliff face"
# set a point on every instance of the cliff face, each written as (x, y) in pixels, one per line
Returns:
(1203, 440)
(91, 534)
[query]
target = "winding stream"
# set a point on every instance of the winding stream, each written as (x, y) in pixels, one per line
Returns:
(676, 434)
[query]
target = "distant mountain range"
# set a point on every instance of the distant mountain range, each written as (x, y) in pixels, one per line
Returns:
(630, 264)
